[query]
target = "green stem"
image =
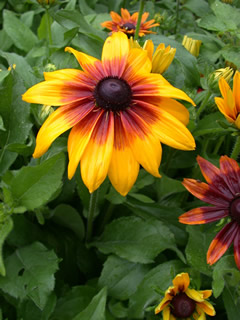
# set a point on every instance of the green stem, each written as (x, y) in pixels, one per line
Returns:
(91, 211)
(218, 145)
(177, 15)
(48, 18)
(204, 103)
(107, 217)
(141, 7)
(236, 149)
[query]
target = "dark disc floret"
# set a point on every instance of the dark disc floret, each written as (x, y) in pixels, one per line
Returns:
(234, 210)
(129, 26)
(113, 93)
(182, 306)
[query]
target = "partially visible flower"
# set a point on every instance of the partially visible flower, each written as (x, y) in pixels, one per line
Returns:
(46, 111)
(12, 67)
(229, 105)
(215, 76)
(46, 2)
(127, 23)
(118, 111)
(223, 192)
(161, 58)
(181, 302)
(193, 46)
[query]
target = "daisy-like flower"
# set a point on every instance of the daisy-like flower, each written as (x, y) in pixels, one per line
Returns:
(191, 45)
(118, 111)
(229, 105)
(161, 58)
(181, 302)
(127, 23)
(223, 192)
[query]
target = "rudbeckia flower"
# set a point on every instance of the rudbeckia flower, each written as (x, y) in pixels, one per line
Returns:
(161, 58)
(229, 105)
(118, 111)
(127, 23)
(181, 302)
(223, 192)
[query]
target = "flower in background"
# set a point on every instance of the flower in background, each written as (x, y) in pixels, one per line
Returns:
(229, 105)
(181, 302)
(214, 77)
(118, 111)
(193, 46)
(223, 192)
(46, 2)
(127, 23)
(161, 58)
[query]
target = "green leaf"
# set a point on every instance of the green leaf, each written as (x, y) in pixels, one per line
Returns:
(226, 13)
(231, 54)
(225, 271)
(159, 277)
(135, 239)
(68, 217)
(15, 114)
(73, 302)
(20, 34)
(198, 7)
(2, 124)
(231, 303)
(121, 277)
(34, 186)
(5, 228)
(30, 273)
(95, 309)
(198, 239)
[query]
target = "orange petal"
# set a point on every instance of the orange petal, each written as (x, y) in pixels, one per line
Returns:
(79, 138)
(221, 242)
(97, 155)
(207, 308)
(181, 282)
(206, 293)
(236, 86)
(203, 215)
(115, 53)
(223, 108)
(58, 122)
(237, 248)
(125, 14)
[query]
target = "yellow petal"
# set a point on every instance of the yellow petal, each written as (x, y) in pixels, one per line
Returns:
(181, 281)
(223, 108)
(200, 315)
(56, 92)
(137, 62)
(207, 308)
(173, 133)
(224, 87)
(237, 122)
(97, 155)
(79, 138)
(114, 54)
(175, 108)
(83, 59)
(149, 47)
(58, 122)
(206, 293)
(64, 74)
(194, 295)
(166, 313)
(236, 86)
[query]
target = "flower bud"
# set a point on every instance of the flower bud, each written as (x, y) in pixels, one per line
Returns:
(191, 45)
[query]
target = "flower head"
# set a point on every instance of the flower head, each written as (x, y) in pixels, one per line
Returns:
(223, 192)
(229, 105)
(161, 58)
(181, 302)
(127, 23)
(193, 46)
(118, 111)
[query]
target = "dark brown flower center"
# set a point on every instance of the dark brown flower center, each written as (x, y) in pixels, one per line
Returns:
(235, 210)
(129, 26)
(182, 306)
(113, 94)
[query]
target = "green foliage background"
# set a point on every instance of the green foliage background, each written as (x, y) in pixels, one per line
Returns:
(47, 270)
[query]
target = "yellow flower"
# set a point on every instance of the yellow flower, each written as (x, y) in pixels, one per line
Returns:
(119, 113)
(161, 58)
(226, 73)
(181, 302)
(127, 23)
(229, 105)
(12, 67)
(193, 46)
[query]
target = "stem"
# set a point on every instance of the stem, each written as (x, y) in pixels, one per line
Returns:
(204, 103)
(218, 145)
(177, 15)
(106, 217)
(91, 211)
(49, 30)
(236, 149)
(141, 6)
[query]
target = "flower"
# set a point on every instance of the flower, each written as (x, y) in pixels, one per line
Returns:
(127, 23)
(229, 105)
(161, 58)
(193, 46)
(223, 192)
(118, 111)
(181, 302)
